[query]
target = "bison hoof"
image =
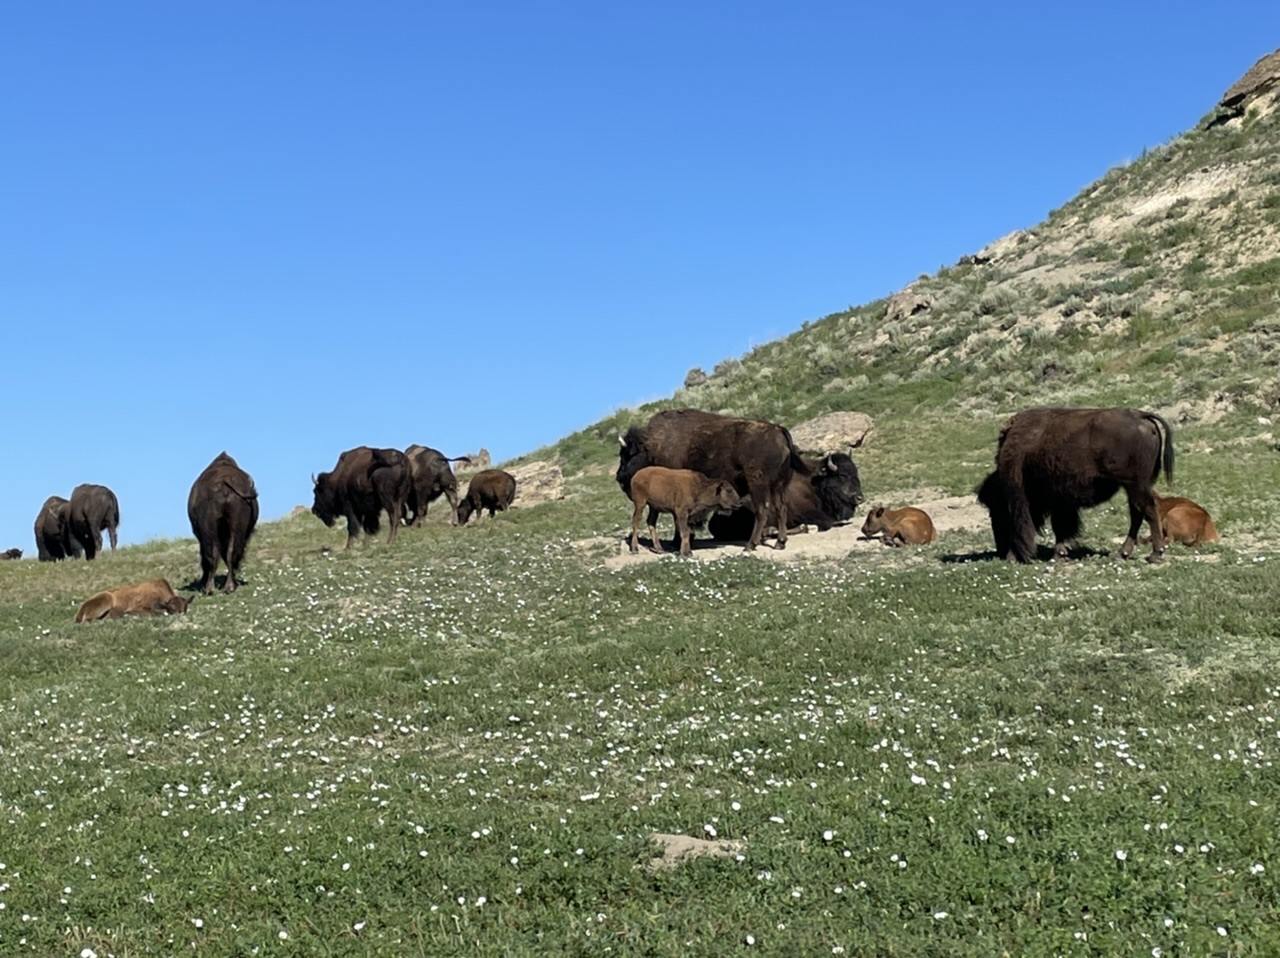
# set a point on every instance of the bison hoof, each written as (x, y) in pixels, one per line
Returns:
(1155, 558)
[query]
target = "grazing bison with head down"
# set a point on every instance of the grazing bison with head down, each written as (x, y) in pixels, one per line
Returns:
(223, 509)
(491, 489)
(363, 483)
(758, 457)
(92, 509)
(827, 495)
(430, 476)
(54, 540)
(1052, 462)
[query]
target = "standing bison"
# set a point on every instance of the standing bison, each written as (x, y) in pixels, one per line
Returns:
(491, 489)
(430, 476)
(223, 509)
(363, 483)
(92, 509)
(829, 494)
(53, 531)
(1052, 462)
(758, 457)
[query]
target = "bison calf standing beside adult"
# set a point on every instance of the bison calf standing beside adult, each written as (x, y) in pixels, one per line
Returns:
(1052, 462)
(223, 509)
(363, 483)
(93, 508)
(758, 457)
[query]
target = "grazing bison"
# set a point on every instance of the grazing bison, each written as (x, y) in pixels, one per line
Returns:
(92, 509)
(1052, 462)
(153, 597)
(53, 531)
(907, 526)
(11, 554)
(828, 495)
(1184, 521)
(758, 457)
(681, 492)
(430, 476)
(491, 489)
(363, 483)
(223, 509)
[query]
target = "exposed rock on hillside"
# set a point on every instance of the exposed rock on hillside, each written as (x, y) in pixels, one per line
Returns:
(1263, 78)
(537, 482)
(907, 303)
(833, 432)
(479, 460)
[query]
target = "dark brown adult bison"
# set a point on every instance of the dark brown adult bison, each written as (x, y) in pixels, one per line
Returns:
(223, 509)
(758, 457)
(828, 495)
(431, 476)
(92, 509)
(364, 483)
(53, 531)
(491, 489)
(1053, 462)
(11, 554)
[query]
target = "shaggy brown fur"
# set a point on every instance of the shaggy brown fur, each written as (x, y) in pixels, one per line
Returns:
(491, 489)
(92, 509)
(11, 554)
(758, 457)
(907, 526)
(1184, 521)
(153, 597)
(829, 494)
(430, 476)
(363, 484)
(223, 509)
(1052, 462)
(53, 532)
(681, 492)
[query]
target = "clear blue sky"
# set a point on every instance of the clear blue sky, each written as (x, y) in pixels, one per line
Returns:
(285, 229)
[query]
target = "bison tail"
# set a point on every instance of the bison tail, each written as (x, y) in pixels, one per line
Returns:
(798, 465)
(1166, 458)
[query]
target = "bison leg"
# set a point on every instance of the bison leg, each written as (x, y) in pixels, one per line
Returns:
(452, 496)
(655, 544)
(682, 530)
(635, 527)
(229, 553)
(353, 530)
(1142, 505)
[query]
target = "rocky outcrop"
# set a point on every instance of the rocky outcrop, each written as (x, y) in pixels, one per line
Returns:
(537, 482)
(906, 303)
(1262, 78)
(833, 432)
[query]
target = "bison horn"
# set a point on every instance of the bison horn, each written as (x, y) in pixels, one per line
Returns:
(313, 478)
(621, 440)
(829, 464)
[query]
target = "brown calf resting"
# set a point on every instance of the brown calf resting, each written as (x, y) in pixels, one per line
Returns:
(153, 597)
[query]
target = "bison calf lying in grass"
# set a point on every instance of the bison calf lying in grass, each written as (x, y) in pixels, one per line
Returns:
(492, 489)
(1184, 521)
(146, 598)
(908, 526)
(681, 492)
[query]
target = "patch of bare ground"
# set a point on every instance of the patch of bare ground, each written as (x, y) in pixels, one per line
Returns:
(671, 850)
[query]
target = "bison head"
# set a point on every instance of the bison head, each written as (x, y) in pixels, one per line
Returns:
(631, 458)
(993, 494)
(465, 508)
(838, 486)
(325, 507)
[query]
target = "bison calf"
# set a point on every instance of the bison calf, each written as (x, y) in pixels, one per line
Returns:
(1184, 521)
(908, 526)
(681, 492)
(491, 489)
(153, 597)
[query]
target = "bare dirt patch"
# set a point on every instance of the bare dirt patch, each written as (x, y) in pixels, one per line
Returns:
(671, 850)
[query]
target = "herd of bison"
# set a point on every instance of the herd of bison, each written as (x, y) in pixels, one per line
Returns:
(743, 478)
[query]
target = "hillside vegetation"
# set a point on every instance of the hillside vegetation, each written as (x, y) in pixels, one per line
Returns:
(466, 743)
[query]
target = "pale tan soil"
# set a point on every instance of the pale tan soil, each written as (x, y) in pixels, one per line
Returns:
(673, 849)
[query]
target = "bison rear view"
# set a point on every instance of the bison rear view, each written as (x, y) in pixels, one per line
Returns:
(1051, 462)
(223, 509)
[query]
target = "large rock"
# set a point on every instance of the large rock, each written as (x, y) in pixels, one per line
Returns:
(479, 460)
(906, 303)
(1263, 77)
(537, 482)
(833, 432)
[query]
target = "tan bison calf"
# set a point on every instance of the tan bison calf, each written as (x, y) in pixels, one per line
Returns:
(908, 526)
(146, 598)
(1184, 521)
(681, 492)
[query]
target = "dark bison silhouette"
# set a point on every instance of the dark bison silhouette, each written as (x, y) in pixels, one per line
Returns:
(364, 483)
(829, 494)
(223, 509)
(92, 509)
(54, 540)
(757, 456)
(490, 489)
(1052, 462)
(431, 476)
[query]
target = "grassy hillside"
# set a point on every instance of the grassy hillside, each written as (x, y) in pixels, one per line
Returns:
(465, 743)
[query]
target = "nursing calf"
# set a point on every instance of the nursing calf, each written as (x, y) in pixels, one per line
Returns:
(681, 492)
(1184, 521)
